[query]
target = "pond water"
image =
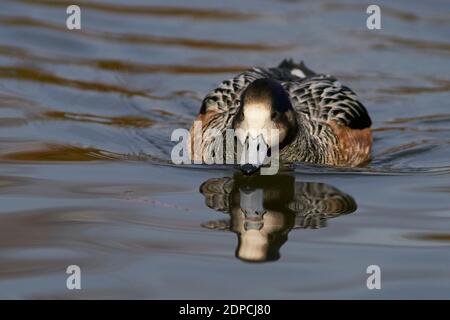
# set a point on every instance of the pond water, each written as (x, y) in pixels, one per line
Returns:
(85, 177)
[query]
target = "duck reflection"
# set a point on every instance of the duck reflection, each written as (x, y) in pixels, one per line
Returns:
(263, 209)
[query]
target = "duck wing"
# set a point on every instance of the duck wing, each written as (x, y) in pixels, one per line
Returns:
(323, 98)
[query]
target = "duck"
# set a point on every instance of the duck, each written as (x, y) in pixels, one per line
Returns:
(319, 120)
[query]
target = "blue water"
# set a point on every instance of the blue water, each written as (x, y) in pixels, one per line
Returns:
(85, 176)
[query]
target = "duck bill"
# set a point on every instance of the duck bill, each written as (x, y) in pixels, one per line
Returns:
(254, 154)
(249, 169)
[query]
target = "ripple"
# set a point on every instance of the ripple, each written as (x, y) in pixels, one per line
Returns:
(410, 129)
(148, 39)
(389, 41)
(425, 119)
(213, 14)
(86, 172)
(189, 43)
(119, 65)
(35, 75)
(305, 169)
(440, 237)
(173, 68)
(123, 121)
(388, 11)
(415, 89)
(64, 153)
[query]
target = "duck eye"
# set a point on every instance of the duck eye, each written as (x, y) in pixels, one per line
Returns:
(274, 115)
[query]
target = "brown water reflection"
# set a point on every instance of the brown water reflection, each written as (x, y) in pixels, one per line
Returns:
(151, 10)
(124, 121)
(31, 74)
(147, 38)
(58, 153)
(86, 118)
(264, 209)
(118, 65)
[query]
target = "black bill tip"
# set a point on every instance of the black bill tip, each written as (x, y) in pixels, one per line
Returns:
(249, 169)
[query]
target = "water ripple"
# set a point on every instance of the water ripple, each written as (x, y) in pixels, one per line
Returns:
(134, 38)
(212, 14)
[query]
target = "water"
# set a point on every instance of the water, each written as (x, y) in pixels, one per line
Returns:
(85, 121)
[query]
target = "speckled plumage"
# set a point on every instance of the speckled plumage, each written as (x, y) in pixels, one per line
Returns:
(333, 126)
(311, 203)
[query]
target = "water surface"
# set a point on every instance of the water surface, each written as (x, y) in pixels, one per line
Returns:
(85, 176)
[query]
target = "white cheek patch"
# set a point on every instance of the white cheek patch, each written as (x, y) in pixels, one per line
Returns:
(257, 123)
(256, 117)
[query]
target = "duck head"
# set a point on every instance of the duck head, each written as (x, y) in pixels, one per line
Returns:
(265, 119)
